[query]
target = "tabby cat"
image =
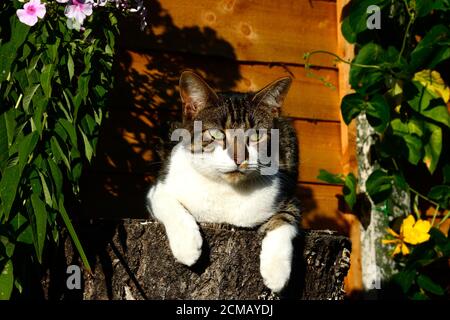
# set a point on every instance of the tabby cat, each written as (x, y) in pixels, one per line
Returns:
(211, 181)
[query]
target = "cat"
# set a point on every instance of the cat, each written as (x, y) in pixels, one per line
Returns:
(211, 181)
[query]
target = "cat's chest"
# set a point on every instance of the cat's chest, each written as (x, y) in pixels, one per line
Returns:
(218, 202)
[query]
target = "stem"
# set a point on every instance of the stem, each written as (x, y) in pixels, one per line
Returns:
(18, 101)
(395, 164)
(412, 17)
(423, 197)
(443, 219)
(368, 66)
(434, 215)
(415, 191)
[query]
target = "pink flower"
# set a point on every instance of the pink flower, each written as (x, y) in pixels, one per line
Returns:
(31, 12)
(78, 11)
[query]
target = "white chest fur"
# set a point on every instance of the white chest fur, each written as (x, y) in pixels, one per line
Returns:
(214, 201)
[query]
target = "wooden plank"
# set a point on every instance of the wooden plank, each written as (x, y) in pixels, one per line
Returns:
(353, 282)
(320, 207)
(246, 30)
(308, 98)
(348, 133)
(320, 148)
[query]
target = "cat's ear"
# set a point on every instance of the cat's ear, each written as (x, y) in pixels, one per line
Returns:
(272, 95)
(195, 94)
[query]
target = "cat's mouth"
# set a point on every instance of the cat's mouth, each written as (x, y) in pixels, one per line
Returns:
(234, 176)
(234, 172)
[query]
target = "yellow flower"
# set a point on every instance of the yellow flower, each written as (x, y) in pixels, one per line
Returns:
(411, 232)
(415, 232)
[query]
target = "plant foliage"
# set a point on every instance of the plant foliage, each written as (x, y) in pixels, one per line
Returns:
(54, 82)
(400, 80)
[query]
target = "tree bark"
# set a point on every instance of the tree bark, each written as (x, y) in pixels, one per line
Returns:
(133, 261)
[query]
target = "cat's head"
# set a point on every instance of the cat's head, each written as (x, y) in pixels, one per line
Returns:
(233, 130)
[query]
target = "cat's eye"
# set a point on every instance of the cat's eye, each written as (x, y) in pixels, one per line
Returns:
(257, 136)
(216, 134)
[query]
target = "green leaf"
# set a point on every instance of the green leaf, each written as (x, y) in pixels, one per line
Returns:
(433, 147)
(26, 147)
(82, 90)
(429, 285)
(364, 79)
(70, 66)
(423, 7)
(19, 33)
(432, 49)
(429, 104)
(376, 108)
(73, 235)
(47, 196)
(329, 177)
(6, 280)
(379, 186)
(52, 50)
(8, 245)
(40, 103)
(46, 79)
(4, 146)
(350, 190)
(405, 279)
(70, 129)
(421, 255)
(10, 122)
(18, 221)
(351, 106)
(89, 151)
(419, 296)
(33, 62)
(409, 135)
(347, 30)
(355, 18)
(26, 236)
(378, 112)
(441, 241)
(40, 225)
(434, 83)
(56, 175)
(58, 152)
(400, 181)
(11, 177)
(18, 285)
(28, 95)
(441, 194)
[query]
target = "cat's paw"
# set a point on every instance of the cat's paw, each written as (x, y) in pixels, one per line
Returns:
(186, 242)
(276, 257)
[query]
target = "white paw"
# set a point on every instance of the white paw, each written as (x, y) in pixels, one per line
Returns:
(185, 242)
(276, 257)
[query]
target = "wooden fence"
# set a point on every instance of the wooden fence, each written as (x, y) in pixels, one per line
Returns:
(236, 45)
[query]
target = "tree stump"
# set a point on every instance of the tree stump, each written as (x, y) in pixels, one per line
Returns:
(136, 263)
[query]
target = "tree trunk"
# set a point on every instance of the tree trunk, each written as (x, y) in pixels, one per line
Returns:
(133, 261)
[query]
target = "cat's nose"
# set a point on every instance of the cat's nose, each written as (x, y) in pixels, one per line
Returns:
(244, 165)
(238, 152)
